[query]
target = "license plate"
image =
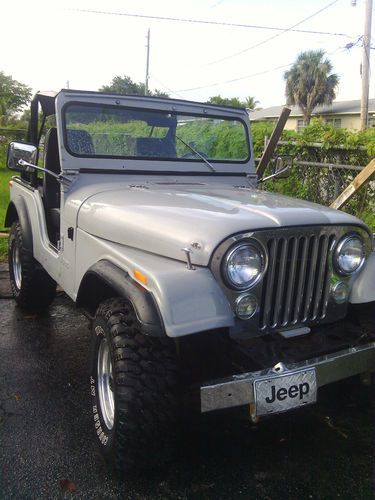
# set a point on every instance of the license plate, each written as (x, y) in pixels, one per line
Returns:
(284, 392)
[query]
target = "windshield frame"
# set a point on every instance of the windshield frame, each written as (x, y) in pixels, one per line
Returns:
(153, 110)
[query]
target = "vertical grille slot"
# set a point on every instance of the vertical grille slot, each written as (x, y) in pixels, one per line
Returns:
(281, 268)
(270, 280)
(301, 277)
(322, 258)
(310, 277)
(296, 286)
(291, 280)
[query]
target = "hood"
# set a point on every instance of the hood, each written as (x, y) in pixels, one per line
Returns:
(164, 218)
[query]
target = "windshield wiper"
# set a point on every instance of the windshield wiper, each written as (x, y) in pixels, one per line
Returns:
(197, 153)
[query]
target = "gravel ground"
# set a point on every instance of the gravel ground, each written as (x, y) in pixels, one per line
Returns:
(47, 449)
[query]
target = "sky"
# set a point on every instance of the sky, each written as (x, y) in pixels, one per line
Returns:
(47, 43)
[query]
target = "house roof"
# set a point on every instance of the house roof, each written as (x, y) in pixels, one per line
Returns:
(336, 108)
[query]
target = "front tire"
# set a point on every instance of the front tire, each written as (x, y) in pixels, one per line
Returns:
(133, 390)
(31, 286)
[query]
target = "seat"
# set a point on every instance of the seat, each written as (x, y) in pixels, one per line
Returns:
(155, 147)
(80, 142)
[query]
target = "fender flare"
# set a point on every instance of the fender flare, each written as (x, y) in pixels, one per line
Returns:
(17, 210)
(117, 279)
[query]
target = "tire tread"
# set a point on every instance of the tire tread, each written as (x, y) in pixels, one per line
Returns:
(38, 289)
(146, 389)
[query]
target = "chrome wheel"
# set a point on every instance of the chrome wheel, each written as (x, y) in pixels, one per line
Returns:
(17, 266)
(105, 384)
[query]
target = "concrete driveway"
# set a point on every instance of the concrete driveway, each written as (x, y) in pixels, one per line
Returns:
(47, 448)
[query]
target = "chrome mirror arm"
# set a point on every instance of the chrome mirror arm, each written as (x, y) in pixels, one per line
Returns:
(276, 174)
(30, 167)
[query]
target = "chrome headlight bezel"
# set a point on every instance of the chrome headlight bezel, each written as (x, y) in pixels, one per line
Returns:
(255, 245)
(339, 249)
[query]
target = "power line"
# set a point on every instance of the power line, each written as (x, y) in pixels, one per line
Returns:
(215, 23)
(266, 40)
(166, 87)
(249, 76)
(235, 79)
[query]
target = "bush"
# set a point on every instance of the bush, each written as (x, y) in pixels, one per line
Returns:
(323, 185)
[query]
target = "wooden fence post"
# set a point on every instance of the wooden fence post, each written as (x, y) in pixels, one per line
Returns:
(272, 143)
(362, 178)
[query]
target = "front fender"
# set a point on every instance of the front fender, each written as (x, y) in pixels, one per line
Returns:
(363, 289)
(105, 273)
(189, 301)
(17, 210)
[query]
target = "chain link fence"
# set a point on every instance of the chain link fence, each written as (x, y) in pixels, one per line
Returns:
(320, 175)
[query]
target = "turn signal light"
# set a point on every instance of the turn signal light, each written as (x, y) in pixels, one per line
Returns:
(140, 277)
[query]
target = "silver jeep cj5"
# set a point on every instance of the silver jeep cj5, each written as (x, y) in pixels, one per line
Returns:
(202, 291)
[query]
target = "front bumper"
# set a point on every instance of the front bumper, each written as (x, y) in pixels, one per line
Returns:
(238, 390)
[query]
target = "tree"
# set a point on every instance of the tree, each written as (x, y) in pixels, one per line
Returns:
(310, 82)
(13, 96)
(226, 101)
(249, 102)
(125, 85)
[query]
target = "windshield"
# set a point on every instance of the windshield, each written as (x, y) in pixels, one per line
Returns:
(113, 132)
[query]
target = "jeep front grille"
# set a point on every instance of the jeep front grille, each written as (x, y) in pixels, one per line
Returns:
(296, 285)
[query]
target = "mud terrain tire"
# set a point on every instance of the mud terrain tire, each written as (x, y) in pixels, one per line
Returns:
(31, 285)
(136, 425)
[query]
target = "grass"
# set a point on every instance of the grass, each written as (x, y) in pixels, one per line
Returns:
(5, 175)
(3, 249)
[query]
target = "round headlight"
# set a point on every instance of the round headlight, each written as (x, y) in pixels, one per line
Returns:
(244, 265)
(350, 254)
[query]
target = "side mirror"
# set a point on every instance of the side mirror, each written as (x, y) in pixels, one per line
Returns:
(281, 170)
(282, 166)
(21, 151)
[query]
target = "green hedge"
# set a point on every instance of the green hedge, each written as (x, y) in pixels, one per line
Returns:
(314, 184)
(322, 185)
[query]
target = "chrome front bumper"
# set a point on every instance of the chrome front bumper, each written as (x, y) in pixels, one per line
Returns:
(239, 389)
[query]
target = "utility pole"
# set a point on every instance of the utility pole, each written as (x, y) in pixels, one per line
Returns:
(147, 61)
(366, 65)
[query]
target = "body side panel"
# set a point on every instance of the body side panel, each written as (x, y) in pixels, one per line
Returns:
(43, 252)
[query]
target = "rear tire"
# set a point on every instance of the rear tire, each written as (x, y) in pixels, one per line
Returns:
(31, 286)
(133, 390)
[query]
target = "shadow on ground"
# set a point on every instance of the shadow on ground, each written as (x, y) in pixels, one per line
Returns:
(47, 446)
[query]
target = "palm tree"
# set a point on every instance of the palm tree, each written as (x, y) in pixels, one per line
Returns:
(251, 102)
(310, 82)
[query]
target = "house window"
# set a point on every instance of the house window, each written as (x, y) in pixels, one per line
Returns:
(371, 121)
(300, 125)
(335, 122)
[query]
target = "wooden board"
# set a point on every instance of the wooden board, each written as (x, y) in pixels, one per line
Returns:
(362, 178)
(272, 143)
